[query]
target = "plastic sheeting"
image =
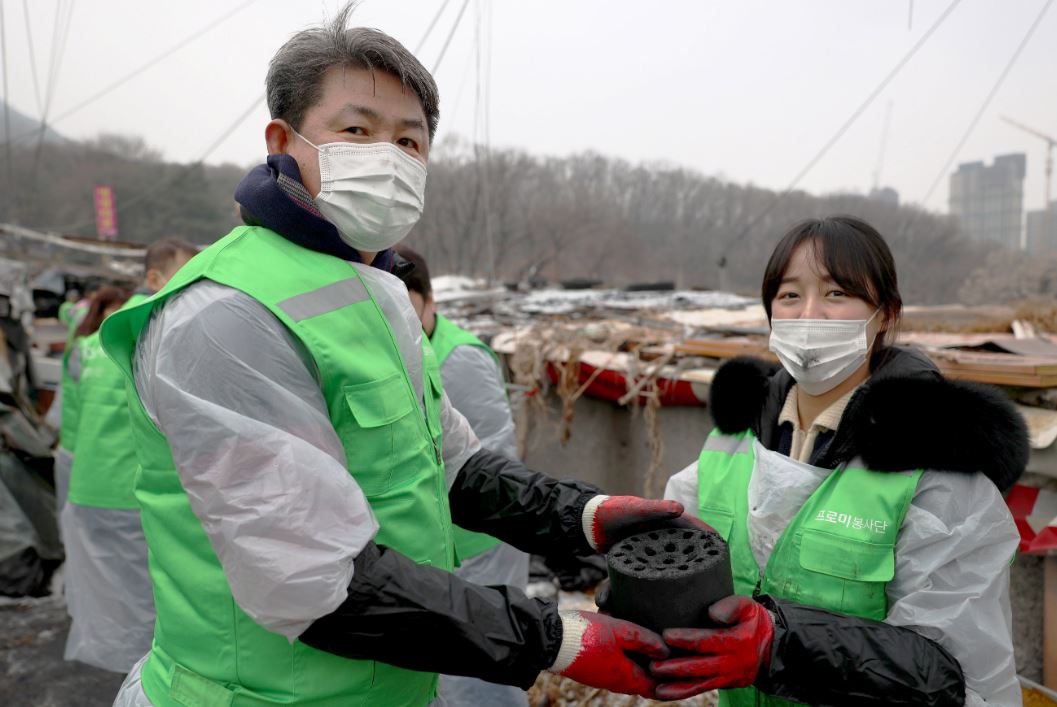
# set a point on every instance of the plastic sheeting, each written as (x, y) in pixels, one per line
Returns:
(952, 563)
(30, 548)
(474, 384)
(63, 467)
(108, 587)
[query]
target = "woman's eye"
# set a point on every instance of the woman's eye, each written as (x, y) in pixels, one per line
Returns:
(837, 293)
(356, 131)
(787, 295)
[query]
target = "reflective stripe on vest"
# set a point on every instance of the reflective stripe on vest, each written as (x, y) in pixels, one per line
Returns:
(105, 463)
(445, 339)
(837, 553)
(206, 649)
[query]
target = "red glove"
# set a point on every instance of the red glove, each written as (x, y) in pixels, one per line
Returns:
(727, 657)
(596, 651)
(609, 519)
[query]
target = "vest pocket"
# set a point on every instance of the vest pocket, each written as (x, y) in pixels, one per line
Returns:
(382, 434)
(191, 689)
(850, 575)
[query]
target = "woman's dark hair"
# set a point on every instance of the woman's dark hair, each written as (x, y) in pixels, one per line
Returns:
(105, 297)
(854, 254)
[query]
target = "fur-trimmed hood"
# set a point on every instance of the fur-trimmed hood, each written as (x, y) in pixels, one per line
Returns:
(906, 416)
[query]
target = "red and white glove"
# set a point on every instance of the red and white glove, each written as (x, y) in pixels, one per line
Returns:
(609, 519)
(596, 650)
(725, 657)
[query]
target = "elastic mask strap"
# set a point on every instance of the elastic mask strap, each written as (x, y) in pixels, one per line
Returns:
(312, 143)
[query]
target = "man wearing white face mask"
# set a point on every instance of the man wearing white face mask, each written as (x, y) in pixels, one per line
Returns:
(860, 495)
(301, 466)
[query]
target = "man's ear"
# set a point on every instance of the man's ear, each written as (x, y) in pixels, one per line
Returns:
(153, 279)
(277, 135)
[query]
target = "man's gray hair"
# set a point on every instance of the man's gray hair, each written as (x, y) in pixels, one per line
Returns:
(296, 71)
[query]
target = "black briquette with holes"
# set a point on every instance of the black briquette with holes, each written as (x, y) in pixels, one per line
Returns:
(668, 578)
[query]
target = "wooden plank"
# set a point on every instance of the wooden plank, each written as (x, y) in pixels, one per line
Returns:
(997, 378)
(1007, 363)
(1049, 626)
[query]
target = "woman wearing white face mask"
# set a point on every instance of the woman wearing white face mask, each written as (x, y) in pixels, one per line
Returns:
(860, 493)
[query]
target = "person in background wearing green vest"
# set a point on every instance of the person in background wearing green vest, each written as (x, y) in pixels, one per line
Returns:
(861, 495)
(108, 587)
(63, 411)
(111, 298)
(473, 381)
(301, 466)
(69, 306)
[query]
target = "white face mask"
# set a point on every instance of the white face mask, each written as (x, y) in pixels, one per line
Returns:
(373, 193)
(820, 354)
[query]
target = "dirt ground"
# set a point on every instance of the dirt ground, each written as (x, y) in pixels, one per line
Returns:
(32, 671)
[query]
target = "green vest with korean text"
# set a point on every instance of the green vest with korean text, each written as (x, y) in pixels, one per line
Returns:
(837, 553)
(206, 650)
(104, 466)
(445, 339)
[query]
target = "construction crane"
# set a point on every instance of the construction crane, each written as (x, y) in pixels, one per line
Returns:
(1051, 142)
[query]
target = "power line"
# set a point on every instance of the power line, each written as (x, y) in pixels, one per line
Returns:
(444, 49)
(844, 127)
(60, 35)
(7, 117)
(32, 56)
(432, 24)
(164, 184)
(987, 101)
(136, 72)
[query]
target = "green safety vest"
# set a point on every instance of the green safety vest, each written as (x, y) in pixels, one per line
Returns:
(70, 406)
(445, 339)
(104, 466)
(66, 312)
(206, 650)
(837, 553)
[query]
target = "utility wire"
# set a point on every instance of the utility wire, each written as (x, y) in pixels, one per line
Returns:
(60, 35)
(32, 56)
(432, 24)
(843, 128)
(136, 72)
(987, 101)
(444, 49)
(7, 119)
(164, 184)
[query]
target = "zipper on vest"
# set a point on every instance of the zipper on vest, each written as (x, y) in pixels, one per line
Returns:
(436, 449)
(758, 587)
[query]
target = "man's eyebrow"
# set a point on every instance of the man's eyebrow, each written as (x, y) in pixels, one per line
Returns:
(362, 110)
(413, 123)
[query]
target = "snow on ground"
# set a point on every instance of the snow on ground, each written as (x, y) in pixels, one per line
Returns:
(551, 301)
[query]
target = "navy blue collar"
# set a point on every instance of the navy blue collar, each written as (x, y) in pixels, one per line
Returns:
(272, 195)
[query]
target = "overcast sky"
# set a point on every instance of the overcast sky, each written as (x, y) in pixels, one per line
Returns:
(745, 90)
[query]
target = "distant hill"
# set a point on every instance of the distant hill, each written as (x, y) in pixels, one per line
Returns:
(22, 125)
(584, 215)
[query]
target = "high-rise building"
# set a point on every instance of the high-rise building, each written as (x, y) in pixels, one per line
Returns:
(988, 201)
(1042, 230)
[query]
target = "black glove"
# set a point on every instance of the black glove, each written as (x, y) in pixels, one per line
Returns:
(423, 618)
